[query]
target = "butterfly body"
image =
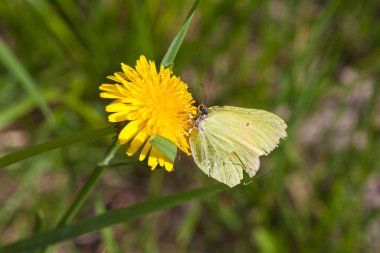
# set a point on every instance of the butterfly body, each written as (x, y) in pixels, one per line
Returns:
(228, 140)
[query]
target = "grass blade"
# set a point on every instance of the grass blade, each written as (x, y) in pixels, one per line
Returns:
(90, 183)
(170, 55)
(61, 142)
(59, 27)
(104, 220)
(20, 73)
(107, 233)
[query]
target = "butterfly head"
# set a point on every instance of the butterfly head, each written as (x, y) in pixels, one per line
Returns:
(202, 109)
(202, 114)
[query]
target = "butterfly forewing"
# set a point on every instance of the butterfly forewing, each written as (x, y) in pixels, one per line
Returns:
(257, 130)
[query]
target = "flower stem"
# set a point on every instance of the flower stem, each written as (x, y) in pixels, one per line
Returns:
(88, 187)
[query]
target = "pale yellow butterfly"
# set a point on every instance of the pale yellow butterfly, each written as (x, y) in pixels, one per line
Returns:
(227, 140)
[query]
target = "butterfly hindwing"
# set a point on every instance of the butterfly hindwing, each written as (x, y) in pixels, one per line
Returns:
(214, 161)
(231, 139)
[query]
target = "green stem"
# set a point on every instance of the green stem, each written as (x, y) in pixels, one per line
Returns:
(88, 187)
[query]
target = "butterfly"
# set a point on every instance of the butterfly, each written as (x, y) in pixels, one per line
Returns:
(227, 140)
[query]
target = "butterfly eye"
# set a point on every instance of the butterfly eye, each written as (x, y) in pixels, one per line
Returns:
(202, 109)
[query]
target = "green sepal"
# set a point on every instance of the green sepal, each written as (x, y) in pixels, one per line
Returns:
(165, 146)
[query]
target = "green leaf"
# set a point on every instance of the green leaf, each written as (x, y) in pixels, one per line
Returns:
(16, 68)
(107, 233)
(61, 142)
(170, 55)
(165, 146)
(104, 220)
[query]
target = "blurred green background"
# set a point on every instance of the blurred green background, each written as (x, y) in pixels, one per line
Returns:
(314, 63)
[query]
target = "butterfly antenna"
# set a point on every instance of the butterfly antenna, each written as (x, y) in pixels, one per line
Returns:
(204, 93)
(210, 86)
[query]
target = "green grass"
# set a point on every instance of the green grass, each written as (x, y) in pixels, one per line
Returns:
(316, 64)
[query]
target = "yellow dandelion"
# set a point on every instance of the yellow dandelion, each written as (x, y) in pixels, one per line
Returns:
(153, 104)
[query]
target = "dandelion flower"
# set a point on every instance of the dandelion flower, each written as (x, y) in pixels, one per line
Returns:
(152, 103)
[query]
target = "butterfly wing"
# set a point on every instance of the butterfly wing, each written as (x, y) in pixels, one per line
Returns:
(231, 139)
(211, 159)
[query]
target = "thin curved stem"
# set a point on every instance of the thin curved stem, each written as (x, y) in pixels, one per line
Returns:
(88, 187)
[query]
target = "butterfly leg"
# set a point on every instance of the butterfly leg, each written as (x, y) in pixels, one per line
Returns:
(240, 162)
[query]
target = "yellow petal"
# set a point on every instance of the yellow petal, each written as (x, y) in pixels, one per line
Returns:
(108, 87)
(120, 107)
(142, 62)
(145, 151)
(168, 165)
(124, 80)
(129, 100)
(115, 78)
(131, 74)
(122, 90)
(137, 142)
(118, 117)
(152, 67)
(142, 67)
(111, 95)
(153, 161)
(161, 159)
(130, 130)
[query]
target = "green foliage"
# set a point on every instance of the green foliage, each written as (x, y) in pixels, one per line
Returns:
(57, 143)
(165, 146)
(170, 55)
(314, 63)
(110, 218)
(18, 71)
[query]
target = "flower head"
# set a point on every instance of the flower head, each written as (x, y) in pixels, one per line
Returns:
(153, 104)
